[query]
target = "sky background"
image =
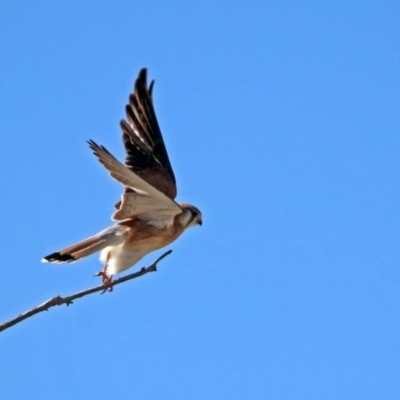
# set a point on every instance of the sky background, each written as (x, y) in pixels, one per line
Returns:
(281, 120)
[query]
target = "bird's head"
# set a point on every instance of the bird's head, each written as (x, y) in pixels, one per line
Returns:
(193, 214)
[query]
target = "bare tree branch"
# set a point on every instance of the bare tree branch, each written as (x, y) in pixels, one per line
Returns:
(58, 300)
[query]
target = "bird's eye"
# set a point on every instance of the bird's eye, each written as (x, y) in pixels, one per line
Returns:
(194, 215)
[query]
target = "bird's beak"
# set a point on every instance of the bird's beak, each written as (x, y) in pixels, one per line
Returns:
(200, 222)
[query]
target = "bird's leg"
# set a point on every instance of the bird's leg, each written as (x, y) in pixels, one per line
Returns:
(105, 278)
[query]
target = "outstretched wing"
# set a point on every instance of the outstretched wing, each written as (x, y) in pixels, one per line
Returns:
(145, 199)
(146, 154)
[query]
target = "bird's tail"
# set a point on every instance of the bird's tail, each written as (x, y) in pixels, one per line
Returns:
(108, 237)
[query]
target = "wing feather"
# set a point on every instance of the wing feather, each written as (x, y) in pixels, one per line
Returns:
(135, 204)
(144, 199)
(146, 154)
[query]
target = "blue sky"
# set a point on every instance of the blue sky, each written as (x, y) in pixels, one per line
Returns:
(281, 121)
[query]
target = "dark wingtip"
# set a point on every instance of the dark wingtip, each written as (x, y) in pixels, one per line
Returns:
(141, 81)
(151, 86)
(142, 78)
(142, 75)
(58, 258)
(95, 147)
(92, 144)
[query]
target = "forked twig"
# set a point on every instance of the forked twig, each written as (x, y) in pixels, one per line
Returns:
(58, 300)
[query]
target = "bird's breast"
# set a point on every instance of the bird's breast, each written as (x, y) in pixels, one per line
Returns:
(144, 237)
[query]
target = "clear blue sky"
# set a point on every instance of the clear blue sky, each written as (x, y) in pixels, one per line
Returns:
(282, 123)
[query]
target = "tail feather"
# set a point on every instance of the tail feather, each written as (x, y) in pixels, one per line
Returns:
(86, 247)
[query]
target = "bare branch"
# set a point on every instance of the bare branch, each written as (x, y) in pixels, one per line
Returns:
(58, 300)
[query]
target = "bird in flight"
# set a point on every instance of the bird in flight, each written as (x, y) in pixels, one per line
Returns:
(148, 218)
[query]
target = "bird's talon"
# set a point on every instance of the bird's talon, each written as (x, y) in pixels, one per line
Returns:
(107, 289)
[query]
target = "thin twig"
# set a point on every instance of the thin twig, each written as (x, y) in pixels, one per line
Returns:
(58, 300)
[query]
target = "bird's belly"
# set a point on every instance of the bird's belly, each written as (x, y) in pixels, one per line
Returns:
(118, 258)
(123, 256)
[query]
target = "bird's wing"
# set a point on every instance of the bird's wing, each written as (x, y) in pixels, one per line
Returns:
(145, 199)
(141, 204)
(146, 154)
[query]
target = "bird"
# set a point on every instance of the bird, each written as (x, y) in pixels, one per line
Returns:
(147, 216)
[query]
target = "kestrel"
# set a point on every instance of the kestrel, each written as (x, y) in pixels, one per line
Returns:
(148, 216)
